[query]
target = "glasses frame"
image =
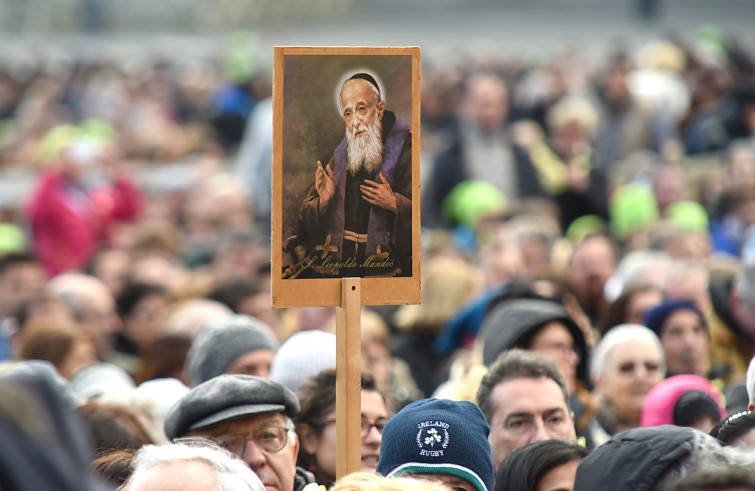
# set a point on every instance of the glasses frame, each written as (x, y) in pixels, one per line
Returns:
(225, 442)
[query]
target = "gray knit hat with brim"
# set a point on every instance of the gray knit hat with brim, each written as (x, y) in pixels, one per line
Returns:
(223, 341)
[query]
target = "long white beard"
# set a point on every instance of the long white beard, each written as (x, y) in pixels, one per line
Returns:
(365, 151)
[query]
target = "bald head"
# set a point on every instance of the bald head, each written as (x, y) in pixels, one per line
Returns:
(91, 305)
(487, 101)
(369, 89)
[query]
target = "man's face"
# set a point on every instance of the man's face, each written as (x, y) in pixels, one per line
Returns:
(556, 342)
(255, 363)
(685, 343)
(277, 469)
(99, 318)
(488, 102)
(743, 314)
(360, 107)
(177, 476)
(590, 267)
(453, 482)
(261, 307)
(19, 283)
(527, 410)
(112, 267)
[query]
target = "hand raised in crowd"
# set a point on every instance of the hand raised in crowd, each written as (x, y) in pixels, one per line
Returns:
(577, 175)
(324, 184)
(379, 194)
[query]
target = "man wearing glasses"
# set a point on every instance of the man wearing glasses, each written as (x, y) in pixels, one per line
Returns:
(250, 417)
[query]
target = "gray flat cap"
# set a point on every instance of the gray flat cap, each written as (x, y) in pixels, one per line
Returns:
(228, 397)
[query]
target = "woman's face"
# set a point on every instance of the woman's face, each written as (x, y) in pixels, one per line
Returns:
(685, 343)
(640, 303)
(556, 342)
(632, 369)
(145, 321)
(374, 417)
(374, 413)
(325, 453)
(559, 478)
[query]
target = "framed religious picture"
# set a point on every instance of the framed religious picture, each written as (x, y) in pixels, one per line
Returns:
(346, 126)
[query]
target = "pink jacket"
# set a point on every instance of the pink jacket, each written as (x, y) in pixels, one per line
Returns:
(68, 223)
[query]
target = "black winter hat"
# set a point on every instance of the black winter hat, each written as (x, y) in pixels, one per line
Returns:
(634, 460)
(508, 323)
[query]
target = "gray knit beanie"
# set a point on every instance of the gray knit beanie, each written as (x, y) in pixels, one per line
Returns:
(221, 342)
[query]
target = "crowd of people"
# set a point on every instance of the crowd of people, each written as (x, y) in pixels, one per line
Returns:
(588, 286)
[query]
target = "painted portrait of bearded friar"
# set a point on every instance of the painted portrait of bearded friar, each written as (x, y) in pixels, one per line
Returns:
(347, 166)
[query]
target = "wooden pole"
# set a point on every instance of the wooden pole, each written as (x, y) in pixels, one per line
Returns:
(349, 378)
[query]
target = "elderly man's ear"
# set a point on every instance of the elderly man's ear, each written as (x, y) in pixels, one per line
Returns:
(380, 109)
(294, 441)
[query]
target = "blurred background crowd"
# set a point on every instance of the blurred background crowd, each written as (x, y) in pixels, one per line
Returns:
(598, 157)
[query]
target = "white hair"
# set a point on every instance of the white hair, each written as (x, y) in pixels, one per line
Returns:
(744, 286)
(365, 152)
(616, 337)
(575, 109)
(750, 382)
(707, 454)
(637, 268)
(232, 473)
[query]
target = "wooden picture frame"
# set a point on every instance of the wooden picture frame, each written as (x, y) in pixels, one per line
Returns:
(313, 247)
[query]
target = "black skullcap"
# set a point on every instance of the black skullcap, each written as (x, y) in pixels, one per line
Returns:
(733, 427)
(365, 76)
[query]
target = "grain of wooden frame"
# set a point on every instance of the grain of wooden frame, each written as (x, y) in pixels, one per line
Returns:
(308, 127)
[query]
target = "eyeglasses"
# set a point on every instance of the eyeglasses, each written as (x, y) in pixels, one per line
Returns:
(269, 440)
(364, 431)
(631, 366)
(561, 348)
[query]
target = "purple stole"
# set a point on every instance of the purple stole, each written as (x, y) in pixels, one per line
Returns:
(378, 221)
